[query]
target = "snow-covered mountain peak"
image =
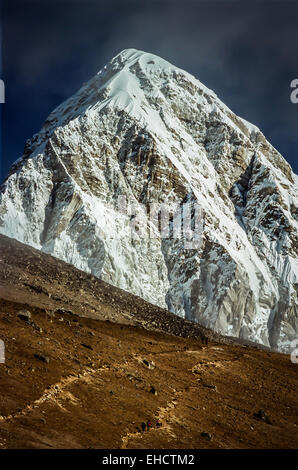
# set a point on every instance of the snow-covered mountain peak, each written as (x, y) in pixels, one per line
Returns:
(149, 131)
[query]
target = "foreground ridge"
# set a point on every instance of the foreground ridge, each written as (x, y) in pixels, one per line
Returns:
(76, 369)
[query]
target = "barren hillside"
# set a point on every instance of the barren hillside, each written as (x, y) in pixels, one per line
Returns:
(87, 364)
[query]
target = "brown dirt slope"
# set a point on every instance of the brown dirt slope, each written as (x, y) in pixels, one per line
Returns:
(94, 390)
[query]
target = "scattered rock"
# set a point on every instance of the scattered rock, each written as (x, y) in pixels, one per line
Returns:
(63, 311)
(212, 387)
(36, 327)
(149, 364)
(262, 416)
(24, 315)
(132, 376)
(153, 391)
(50, 314)
(7, 320)
(42, 358)
(87, 346)
(207, 436)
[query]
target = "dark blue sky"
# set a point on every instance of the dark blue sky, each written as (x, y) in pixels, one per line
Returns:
(246, 51)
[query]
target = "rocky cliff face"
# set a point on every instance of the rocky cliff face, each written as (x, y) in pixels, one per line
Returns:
(147, 131)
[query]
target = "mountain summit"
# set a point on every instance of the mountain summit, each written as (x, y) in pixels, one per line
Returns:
(145, 130)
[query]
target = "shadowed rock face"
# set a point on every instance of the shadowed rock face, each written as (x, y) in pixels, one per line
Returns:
(146, 130)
